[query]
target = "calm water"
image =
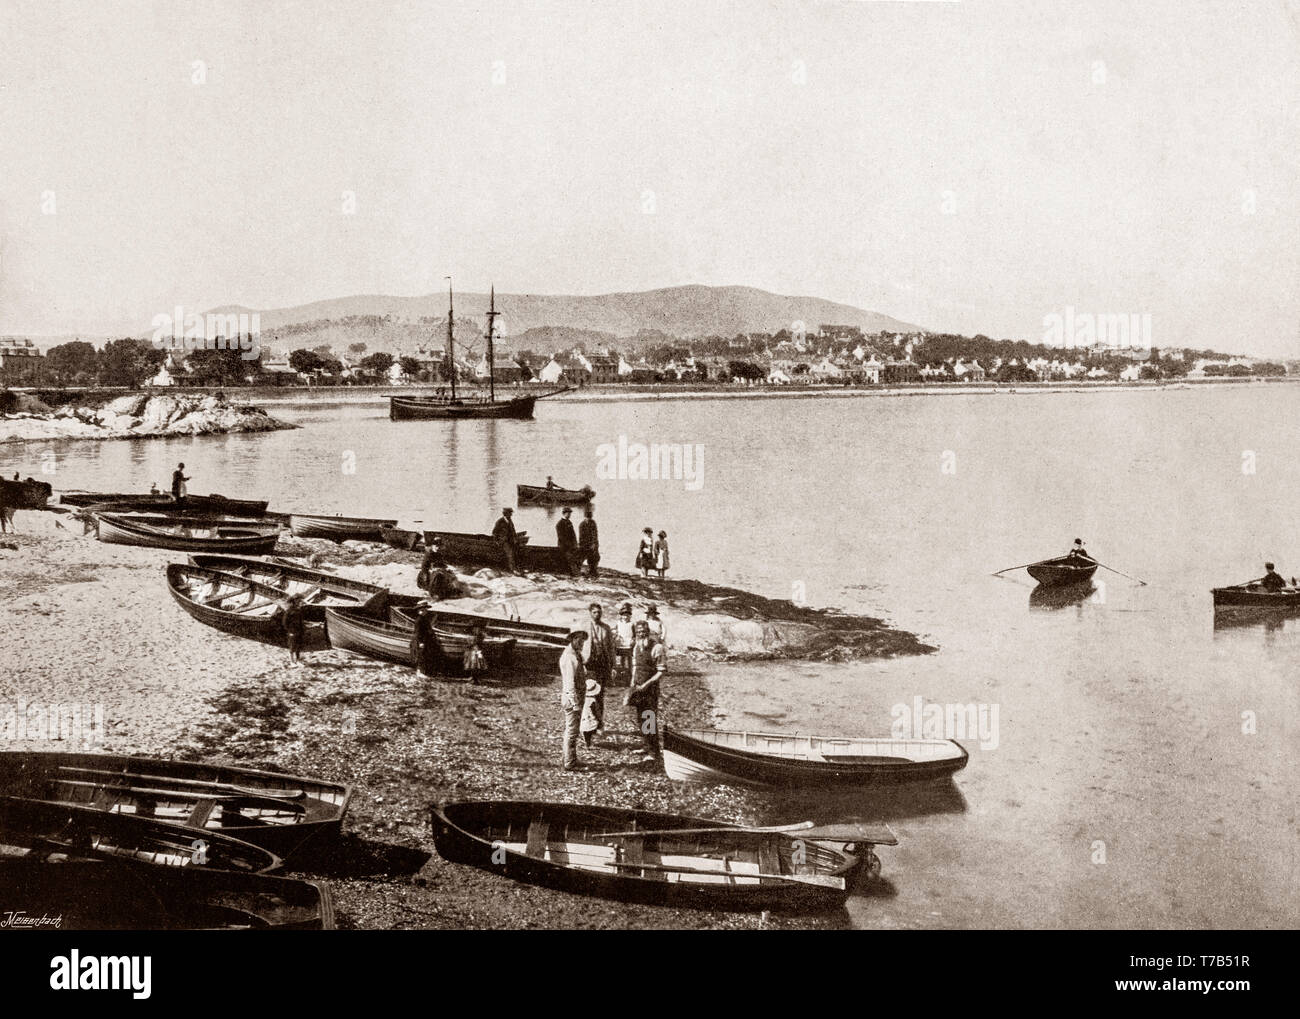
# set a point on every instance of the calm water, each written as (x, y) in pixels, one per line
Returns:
(1120, 717)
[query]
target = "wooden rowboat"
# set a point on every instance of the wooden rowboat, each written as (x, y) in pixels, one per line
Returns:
(643, 856)
(184, 534)
(318, 588)
(540, 495)
(338, 528)
(509, 646)
(399, 538)
(228, 602)
(1255, 596)
(216, 504)
(279, 813)
(777, 759)
(362, 632)
(89, 833)
(99, 895)
(484, 550)
(1062, 571)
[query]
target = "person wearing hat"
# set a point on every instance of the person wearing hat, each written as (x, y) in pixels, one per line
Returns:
(426, 651)
(178, 483)
(573, 693)
(436, 578)
(1272, 580)
(623, 640)
(1078, 551)
(661, 553)
(589, 542)
(645, 553)
(648, 666)
(567, 540)
(506, 538)
(599, 662)
(293, 621)
(655, 624)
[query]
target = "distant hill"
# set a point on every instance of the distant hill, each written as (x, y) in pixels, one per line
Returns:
(534, 320)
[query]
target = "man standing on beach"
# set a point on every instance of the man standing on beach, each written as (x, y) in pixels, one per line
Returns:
(504, 533)
(589, 542)
(178, 483)
(648, 666)
(568, 541)
(573, 692)
(293, 623)
(599, 662)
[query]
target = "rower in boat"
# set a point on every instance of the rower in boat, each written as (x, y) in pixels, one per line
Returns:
(1272, 580)
(1079, 552)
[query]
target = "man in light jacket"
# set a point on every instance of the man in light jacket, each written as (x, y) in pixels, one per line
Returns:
(573, 692)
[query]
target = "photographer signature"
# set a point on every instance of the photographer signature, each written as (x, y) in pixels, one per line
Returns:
(23, 919)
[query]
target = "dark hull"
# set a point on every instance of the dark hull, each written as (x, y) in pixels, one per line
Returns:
(282, 814)
(708, 761)
(86, 833)
(173, 535)
(479, 835)
(123, 502)
(483, 550)
(508, 646)
(1244, 597)
(402, 408)
(100, 895)
(396, 537)
(542, 496)
(290, 578)
(1061, 572)
(265, 627)
(338, 528)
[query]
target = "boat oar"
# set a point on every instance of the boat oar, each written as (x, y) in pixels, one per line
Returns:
(1022, 566)
(1113, 570)
(801, 826)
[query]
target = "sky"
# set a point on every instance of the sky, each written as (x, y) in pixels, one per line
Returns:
(972, 167)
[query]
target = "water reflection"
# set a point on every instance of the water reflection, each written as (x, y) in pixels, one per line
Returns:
(1268, 621)
(1048, 599)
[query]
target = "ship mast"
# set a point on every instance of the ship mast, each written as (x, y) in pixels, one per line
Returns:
(491, 328)
(451, 350)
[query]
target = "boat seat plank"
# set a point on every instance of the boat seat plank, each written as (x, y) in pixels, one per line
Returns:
(537, 833)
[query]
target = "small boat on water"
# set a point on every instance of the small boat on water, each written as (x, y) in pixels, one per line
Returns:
(540, 495)
(483, 550)
(1255, 596)
(778, 759)
(91, 833)
(279, 813)
(317, 588)
(101, 895)
(645, 856)
(186, 534)
(158, 502)
(1062, 571)
(338, 528)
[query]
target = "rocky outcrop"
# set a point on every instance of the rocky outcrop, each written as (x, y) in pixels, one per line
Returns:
(139, 416)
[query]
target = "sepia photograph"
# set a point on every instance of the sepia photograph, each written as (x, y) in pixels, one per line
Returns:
(764, 465)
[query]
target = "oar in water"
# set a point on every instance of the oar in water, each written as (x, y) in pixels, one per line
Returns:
(1113, 570)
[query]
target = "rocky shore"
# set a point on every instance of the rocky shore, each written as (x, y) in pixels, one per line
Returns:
(136, 416)
(90, 624)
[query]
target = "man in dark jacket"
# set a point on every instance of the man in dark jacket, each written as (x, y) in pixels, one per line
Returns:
(504, 533)
(568, 541)
(588, 542)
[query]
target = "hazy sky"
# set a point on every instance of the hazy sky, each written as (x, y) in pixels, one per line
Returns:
(967, 166)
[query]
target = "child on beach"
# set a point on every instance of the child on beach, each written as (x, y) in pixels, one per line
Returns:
(661, 554)
(293, 622)
(475, 660)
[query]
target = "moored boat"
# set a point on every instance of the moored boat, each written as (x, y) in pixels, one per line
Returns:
(160, 502)
(644, 856)
(279, 813)
(1062, 571)
(98, 895)
(485, 550)
(317, 588)
(306, 525)
(89, 833)
(186, 534)
(540, 495)
(779, 759)
(1255, 596)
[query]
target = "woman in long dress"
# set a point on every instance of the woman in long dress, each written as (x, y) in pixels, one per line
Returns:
(661, 554)
(645, 554)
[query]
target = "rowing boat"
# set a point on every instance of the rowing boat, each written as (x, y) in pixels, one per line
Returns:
(165, 503)
(338, 528)
(184, 534)
(778, 759)
(364, 633)
(318, 588)
(468, 622)
(229, 602)
(99, 895)
(1063, 571)
(540, 495)
(399, 538)
(509, 645)
(279, 813)
(1255, 596)
(89, 833)
(643, 856)
(485, 550)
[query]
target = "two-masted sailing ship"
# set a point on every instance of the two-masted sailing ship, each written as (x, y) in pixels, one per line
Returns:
(455, 406)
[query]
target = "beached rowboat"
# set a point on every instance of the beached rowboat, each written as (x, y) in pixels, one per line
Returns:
(317, 587)
(338, 528)
(183, 534)
(643, 856)
(397, 537)
(216, 504)
(279, 813)
(1062, 571)
(228, 602)
(365, 634)
(540, 495)
(509, 645)
(1254, 596)
(777, 759)
(484, 550)
(89, 833)
(101, 895)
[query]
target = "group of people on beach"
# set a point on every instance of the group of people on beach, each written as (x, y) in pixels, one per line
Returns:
(598, 656)
(652, 553)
